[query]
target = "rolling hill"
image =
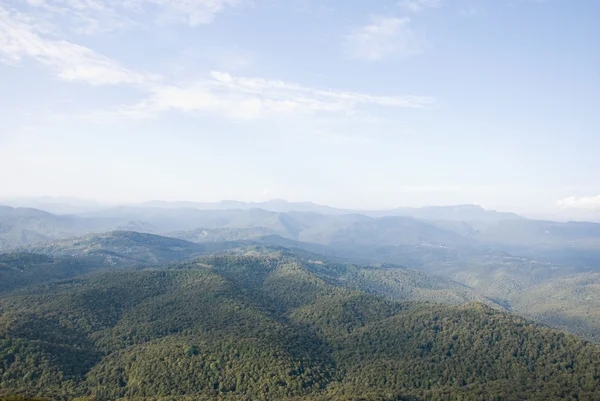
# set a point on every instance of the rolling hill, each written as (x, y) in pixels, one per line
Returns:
(570, 303)
(259, 325)
(24, 269)
(127, 247)
(26, 226)
(503, 260)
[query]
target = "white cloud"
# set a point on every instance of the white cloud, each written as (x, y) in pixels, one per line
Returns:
(383, 38)
(81, 16)
(419, 5)
(93, 16)
(251, 98)
(583, 202)
(20, 39)
(219, 93)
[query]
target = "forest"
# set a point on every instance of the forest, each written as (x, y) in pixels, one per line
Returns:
(271, 324)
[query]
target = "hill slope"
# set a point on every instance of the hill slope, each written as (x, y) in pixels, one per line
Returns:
(122, 249)
(266, 326)
(127, 247)
(25, 269)
(570, 303)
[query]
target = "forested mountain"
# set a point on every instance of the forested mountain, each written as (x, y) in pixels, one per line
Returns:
(501, 256)
(25, 226)
(448, 232)
(24, 269)
(268, 325)
(570, 303)
(202, 235)
(571, 243)
(127, 247)
(122, 249)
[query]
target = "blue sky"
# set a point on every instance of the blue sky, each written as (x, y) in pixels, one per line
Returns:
(365, 104)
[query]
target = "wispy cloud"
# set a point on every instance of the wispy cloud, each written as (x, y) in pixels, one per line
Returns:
(382, 38)
(582, 202)
(218, 93)
(420, 5)
(252, 98)
(20, 39)
(80, 16)
(93, 16)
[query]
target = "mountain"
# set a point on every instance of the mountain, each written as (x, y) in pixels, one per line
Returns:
(165, 220)
(127, 247)
(500, 260)
(53, 205)
(25, 269)
(72, 257)
(22, 226)
(401, 240)
(267, 326)
(26, 226)
(458, 213)
(465, 213)
(571, 243)
(390, 281)
(121, 249)
(275, 205)
(569, 303)
(566, 214)
(202, 235)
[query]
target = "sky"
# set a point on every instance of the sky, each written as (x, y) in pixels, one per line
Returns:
(357, 104)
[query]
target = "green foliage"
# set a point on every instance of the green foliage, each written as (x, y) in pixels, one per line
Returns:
(122, 248)
(257, 325)
(571, 303)
(23, 269)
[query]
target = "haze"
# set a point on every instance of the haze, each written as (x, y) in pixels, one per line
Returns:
(360, 105)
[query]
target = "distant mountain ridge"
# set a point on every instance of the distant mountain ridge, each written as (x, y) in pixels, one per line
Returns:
(451, 213)
(55, 205)
(504, 260)
(275, 205)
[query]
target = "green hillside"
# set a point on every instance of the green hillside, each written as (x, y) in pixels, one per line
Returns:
(122, 249)
(25, 269)
(571, 303)
(127, 247)
(455, 273)
(268, 326)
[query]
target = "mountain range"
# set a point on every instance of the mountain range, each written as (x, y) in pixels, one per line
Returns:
(489, 265)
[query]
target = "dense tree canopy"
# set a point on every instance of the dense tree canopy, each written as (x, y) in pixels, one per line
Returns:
(271, 326)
